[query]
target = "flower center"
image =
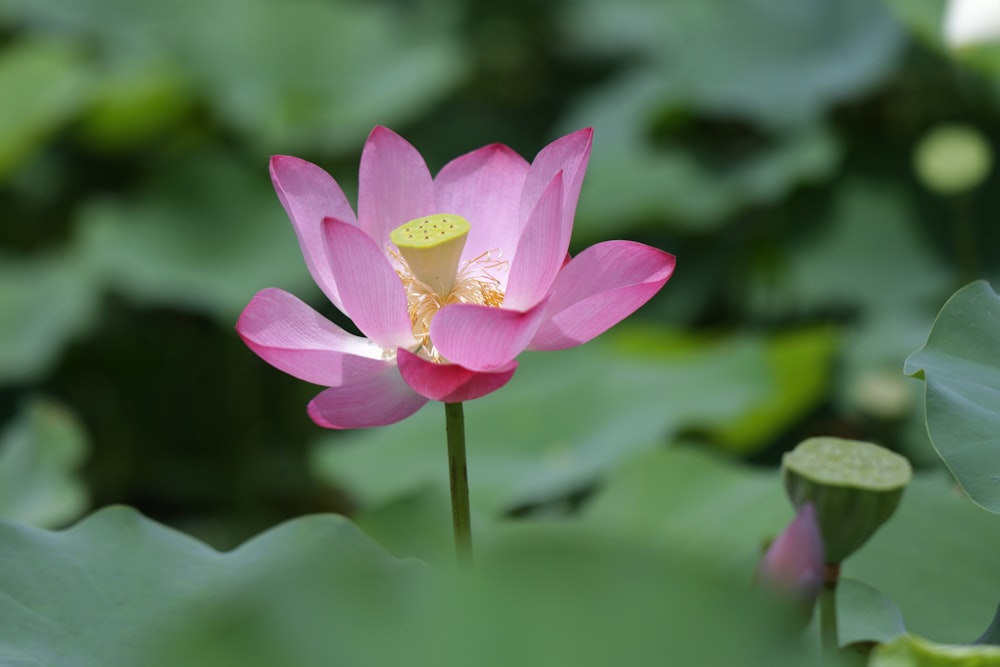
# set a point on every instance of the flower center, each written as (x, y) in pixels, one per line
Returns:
(430, 249)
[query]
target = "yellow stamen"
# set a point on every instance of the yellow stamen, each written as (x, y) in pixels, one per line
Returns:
(429, 252)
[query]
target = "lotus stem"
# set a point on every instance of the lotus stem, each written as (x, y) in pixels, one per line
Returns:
(459, 478)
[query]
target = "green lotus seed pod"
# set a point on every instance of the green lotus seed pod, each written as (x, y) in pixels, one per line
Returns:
(855, 487)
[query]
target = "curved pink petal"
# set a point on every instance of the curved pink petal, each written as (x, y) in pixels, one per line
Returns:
(483, 338)
(541, 251)
(309, 194)
(371, 291)
(484, 187)
(569, 155)
(601, 286)
(450, 383)
(371, 400)
(288, 334)
(394, 185)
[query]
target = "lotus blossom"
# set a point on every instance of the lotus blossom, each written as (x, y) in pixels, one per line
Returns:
(449, 278)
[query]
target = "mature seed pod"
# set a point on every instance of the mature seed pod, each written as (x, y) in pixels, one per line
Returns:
(855, 487)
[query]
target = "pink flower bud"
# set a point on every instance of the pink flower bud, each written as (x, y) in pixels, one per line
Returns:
(792, 566)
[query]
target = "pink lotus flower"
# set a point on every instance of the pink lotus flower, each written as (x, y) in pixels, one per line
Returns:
(478, 273)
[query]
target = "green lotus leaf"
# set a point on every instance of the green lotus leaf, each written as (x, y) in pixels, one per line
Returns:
(960, 366)
(40, 451)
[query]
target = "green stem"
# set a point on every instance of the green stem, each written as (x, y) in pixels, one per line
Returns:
(828, 613)
(461, 521)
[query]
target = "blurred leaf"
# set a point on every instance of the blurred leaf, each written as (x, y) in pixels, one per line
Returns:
(206, 235)
(770, 61)
(563, 421)
(841, 259)
(290, 76)
(575, 600)
(703, 505)
(801, 363)
(88, 596)
(40, 452)
(119, 590)
(925, 18)
(43, 84)
(418, 524)
(913, 651)
(839, 265)
(313, 76)
(960, 365)
(45, 302)
(693, 184)
(136, 100)
(864, 614)
(725, 109)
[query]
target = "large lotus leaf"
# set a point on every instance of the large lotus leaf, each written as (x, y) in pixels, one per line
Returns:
(936, 559)
(557, 598)
(767, 60)
(40, 451)
(418, 524)
(290, 75)
(960, 366)
(206, 235)
(564, 420)
(45, 301)
(943, 581)
(118, 590)
(89, 596)
(631, 177)
(43, 83)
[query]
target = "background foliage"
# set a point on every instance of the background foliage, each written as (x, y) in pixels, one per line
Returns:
(789, 153)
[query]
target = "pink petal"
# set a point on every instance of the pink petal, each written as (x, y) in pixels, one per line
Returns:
(371, 400)
(450, 383)
(483, 338)
(601, 286)
(484, 186)
(569, 155)
(540, 251)
(394, 185)
(309, 194)
(372, 293)
(294, 338)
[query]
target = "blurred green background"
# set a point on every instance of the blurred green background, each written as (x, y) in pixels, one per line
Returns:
(822, 171)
